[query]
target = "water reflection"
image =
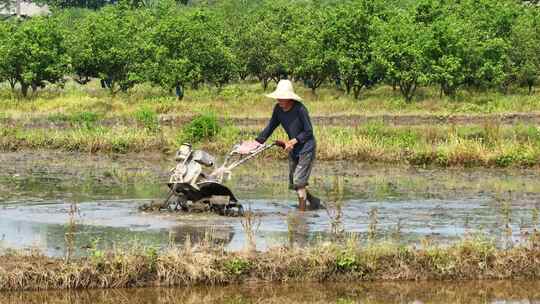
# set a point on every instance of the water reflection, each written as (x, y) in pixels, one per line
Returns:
(372, 293)
(412, 204)
(105, 225)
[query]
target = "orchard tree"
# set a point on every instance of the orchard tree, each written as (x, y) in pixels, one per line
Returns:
(186, 48)
(448, 54)
(262, 47)
(35, 54)
(487, 27)
(210, 53)
(111, 44)
(170, 64)
(312, 61)
(347, 37)
(401, 48)
(255, 50)
(7, 53)
(80, 45)
(524, 52)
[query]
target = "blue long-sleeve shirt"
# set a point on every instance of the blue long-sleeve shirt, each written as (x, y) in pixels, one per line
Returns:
(296, 123)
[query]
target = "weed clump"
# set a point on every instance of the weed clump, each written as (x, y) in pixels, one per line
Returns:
(237, 266)
(84, 119)
(148, 119)
(203, 127)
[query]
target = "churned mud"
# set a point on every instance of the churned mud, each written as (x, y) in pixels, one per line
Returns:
(334, 120)
(95, 199)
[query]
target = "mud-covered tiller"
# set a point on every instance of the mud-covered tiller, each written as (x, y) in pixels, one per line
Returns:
(193, 190)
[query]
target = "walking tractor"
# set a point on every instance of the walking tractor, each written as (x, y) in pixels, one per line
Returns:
(196, 183)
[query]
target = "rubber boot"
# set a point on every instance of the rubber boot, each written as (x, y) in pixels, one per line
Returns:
(301, 204)
(314, 202)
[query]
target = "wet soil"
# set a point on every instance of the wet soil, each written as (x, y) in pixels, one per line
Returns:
(39, 189)
(337, 120)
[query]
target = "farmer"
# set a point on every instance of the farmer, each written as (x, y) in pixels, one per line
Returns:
(293, 116)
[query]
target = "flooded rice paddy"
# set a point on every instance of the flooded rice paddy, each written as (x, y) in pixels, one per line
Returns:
(49, 199)
(95, 199)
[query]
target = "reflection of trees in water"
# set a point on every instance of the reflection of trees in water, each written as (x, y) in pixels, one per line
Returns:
(218, 235)
(106, 238)
(88, 187)
(109, 238)
(298, 229)
(366, 292)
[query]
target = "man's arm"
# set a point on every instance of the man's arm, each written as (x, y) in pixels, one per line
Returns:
(307, 134)
(272, 125)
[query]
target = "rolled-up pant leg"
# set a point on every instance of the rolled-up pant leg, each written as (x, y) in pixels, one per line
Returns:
(300, 170)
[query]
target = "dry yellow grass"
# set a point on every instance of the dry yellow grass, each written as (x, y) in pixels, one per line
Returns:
(466, 260)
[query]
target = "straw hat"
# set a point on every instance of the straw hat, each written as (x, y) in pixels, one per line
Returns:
(284, 90)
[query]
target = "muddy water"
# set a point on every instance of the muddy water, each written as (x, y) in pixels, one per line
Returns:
(417, 293)
(94, 200)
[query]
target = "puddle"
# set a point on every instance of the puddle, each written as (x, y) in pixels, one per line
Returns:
(37, 192)
(499, 292)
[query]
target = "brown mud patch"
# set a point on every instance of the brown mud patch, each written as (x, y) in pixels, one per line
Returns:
(337, 120)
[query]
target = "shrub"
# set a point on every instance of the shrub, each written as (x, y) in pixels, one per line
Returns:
(237, 266)
(84, 119)
(147, 118)
(204, 126)
(346, 261)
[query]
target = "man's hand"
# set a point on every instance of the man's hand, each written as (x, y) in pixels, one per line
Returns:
(289, 145)
(280, 143)
(247, 146)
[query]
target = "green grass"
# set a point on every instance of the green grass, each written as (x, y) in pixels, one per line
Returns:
(248, 100)
(490, 145)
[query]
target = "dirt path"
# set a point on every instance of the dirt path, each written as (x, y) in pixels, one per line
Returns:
(340, 120)
(408, 119)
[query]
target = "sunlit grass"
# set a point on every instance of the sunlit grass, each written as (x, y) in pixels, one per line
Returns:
(248, 100)
(442, 145)
(200, 264)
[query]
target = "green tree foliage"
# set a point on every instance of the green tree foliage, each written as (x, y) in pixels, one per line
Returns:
(111, 44)
(262, 42)
(451, 44)
(401, 46)
(309, 43)
(33, 53)
(524, 53)
(187, 48)
(7, 50)
(448, 54)
(347, 35)
(487, 26)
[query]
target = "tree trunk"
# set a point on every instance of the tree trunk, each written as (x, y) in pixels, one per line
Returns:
(315, 84)
(531, 84)
(12, 83)
(356, 90)
(243, 75)
(407, 90)
(112, 85)
(24, 89)
(348, 85)
(179, 92)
